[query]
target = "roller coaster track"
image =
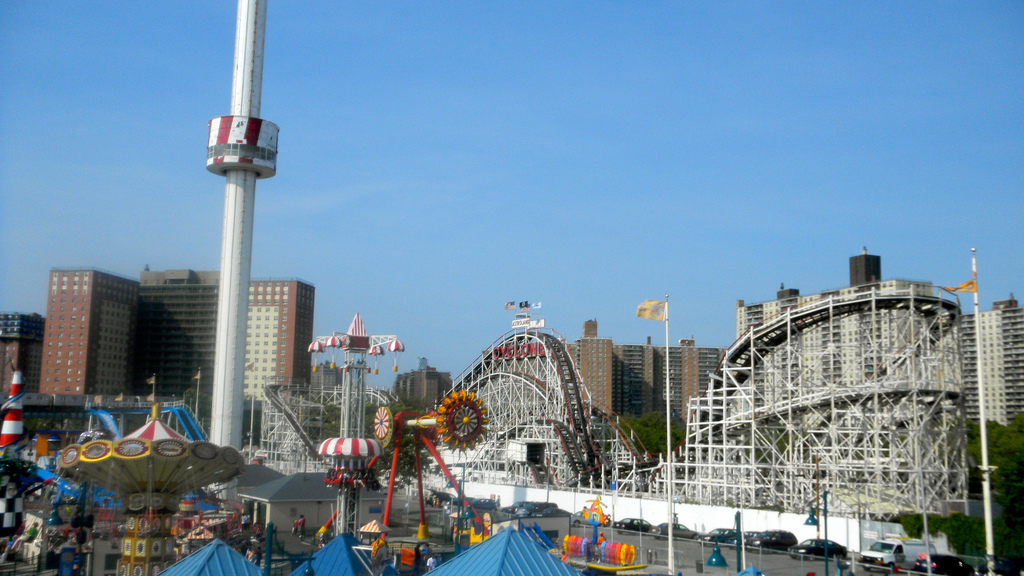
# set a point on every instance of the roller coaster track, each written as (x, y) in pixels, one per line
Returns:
(575, 407)
(613, 421)
(777, 331)
(538, 397)
(865, 382)
(273, 393)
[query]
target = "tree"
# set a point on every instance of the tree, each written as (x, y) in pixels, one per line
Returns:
(650, 430)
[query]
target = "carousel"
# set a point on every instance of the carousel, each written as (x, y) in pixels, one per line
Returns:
(150, 469)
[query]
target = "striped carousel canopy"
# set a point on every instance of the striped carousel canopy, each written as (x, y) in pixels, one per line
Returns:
(350, 448)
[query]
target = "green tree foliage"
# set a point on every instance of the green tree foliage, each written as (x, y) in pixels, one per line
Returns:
(1006, 457)
(650, 429)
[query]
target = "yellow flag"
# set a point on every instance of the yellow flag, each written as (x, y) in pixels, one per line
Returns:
(151, 380)
(652, 310)
(969, 286)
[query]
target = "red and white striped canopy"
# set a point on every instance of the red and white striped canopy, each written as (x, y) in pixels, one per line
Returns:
(316, 346)
(396, 346)
(350, 447)
(377, 350)
(356, 328)
(155, 430)
(333, 342)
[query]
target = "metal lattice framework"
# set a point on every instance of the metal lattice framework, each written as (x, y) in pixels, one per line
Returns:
(863, 387)
(292, 420)
(543, 431)
(289, 413)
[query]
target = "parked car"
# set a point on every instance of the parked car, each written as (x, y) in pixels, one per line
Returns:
(772, 540)
(1004, 567)
(678, 531)
(483, 504)
(747, 535)
(441, 498)
(526, 508)
(719, 535)
(511, 510)
(635, 525)
(816, 547)
(553, 512)
(945, 564)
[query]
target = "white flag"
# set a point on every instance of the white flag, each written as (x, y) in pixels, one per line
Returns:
(535, 305)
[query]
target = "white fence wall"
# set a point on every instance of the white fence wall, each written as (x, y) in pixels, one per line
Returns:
(846, 531)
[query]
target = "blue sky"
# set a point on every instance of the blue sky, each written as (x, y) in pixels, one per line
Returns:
(440, 159)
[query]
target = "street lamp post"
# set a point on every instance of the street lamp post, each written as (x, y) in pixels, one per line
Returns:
(812, 520)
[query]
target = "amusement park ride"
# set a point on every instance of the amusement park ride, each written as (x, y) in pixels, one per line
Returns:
(459, 422)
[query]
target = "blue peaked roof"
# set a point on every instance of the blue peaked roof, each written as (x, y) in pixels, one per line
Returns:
(338, 558)
(214, 559)
(508, 553)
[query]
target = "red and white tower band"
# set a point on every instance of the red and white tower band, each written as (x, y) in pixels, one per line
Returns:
(13, 427)
(242, 147)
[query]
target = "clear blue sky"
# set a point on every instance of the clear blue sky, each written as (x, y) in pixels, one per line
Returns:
(440, 159)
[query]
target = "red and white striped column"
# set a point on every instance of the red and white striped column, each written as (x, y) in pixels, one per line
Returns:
(13, 427)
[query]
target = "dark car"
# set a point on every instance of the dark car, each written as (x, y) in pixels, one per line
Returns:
(525, 508)
(678, 531)
(441, 498)
(1004, 567)
(553, 512)
(719, 535)
(772, 539)
(816, 547)
(732, 539)
(635, 525)
(945, 564)
(483, 504)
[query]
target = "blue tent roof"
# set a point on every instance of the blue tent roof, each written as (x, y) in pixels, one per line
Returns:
(338, 558)
(214, 559)
(750, 571)
(508, 553)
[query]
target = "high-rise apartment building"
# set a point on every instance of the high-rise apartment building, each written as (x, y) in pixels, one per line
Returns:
(113, 333)
(1002, 361)
(423, 383)
(21, 347)
(629, 379)
(177, 329)
(278, 332)
(594, 362)
(89, 341)
(632, 379)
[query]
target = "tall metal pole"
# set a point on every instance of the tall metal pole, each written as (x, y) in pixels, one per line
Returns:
(986, 472)
(824, 515)
(668, 444)
(242, 147)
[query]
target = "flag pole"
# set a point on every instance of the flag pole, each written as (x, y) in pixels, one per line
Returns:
(668, 444)
(986, 472)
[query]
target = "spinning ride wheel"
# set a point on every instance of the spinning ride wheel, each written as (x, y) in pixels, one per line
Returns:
(384, 425)
(461, 420)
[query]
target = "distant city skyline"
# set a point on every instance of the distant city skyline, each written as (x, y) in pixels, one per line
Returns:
(438, 161)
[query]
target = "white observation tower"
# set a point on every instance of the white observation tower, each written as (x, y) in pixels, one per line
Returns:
(242, 147)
